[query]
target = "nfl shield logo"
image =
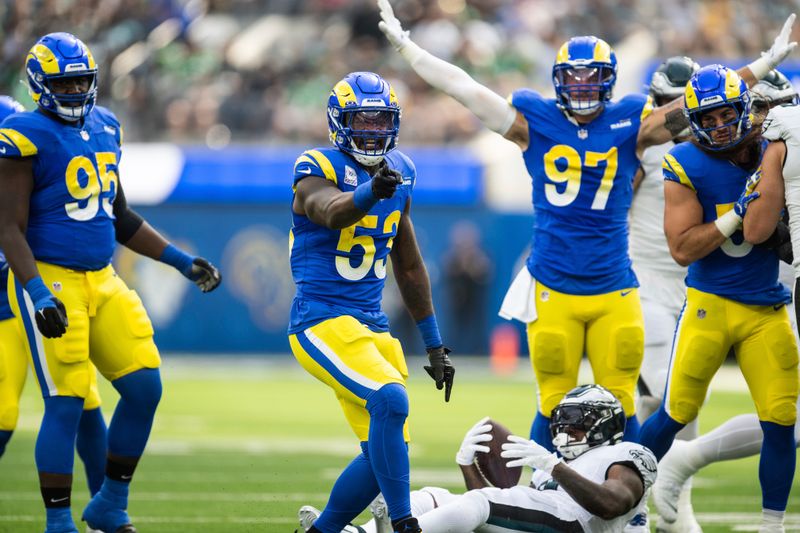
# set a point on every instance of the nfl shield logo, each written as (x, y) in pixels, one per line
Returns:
(583, 134)
(350, 177)
(57, 286)
(701, 313)
(84, 135)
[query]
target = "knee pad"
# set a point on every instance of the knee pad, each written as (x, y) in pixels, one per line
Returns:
(628, 348)
(780, 345)
(389, 401)
(783, 413)
(549, 351)
(141, 388)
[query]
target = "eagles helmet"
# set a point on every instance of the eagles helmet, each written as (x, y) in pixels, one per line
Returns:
(713, 87)
(59, 56)
(670, 79)
(9, 106)
(592, 410)
(772, 90)
(584, 74)
(364, 117)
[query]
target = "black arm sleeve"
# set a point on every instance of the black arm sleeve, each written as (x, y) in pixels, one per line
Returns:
(781, 242)
(127, 221)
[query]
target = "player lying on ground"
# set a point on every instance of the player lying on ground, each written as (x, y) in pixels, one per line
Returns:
(598, 485)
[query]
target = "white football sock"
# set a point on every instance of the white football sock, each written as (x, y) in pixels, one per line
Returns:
(464, 513)
(741, 436)
(422, 501)
(771, 521)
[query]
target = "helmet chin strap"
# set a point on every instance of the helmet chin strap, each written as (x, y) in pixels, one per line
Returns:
(368, 160)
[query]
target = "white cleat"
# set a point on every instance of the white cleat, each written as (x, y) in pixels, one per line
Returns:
(90, 530)
(669, 483)
(772, 528)
(307, 515)
(383, 524)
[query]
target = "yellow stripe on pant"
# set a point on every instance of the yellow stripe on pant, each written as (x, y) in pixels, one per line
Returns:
(353, 361)
(765, 347)
(608, 327)
(108, 326)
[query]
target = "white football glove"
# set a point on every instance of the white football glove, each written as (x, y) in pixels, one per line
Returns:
(781, 47)
(471, 443)
(391, 27)
(528, 453)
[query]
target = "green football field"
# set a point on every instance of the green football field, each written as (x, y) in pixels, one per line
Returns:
(240, 445)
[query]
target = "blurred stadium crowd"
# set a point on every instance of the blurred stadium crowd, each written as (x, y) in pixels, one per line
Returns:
(221, 71)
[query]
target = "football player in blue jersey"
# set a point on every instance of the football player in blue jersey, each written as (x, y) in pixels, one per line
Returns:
(578, 293)
(350, 213)
(62, 210)
(91, 439)
(734, 299)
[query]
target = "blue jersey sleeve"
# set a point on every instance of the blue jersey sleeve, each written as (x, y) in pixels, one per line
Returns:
(19, 136)
(313, 163)
(110, 123)
(403, 164)
(673, 169)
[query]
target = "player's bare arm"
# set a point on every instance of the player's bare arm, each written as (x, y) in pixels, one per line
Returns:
(324, 204)
(688, 238)
(669, 120)
(764, 212)
(618, 494)
(472, 477)
(493, 110)
(15, 193)
(409, 269)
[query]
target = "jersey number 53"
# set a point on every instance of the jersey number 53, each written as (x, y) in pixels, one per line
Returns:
(348, 240)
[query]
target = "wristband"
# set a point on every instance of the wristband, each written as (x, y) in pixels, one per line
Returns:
(37, 289)
(429, 330)
(728, 223)
(363, 197)
(760, 68)
(177, 258)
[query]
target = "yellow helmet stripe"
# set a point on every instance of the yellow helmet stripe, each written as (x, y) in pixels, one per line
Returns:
(563, 53)
(92, 64)
(602, 51)
(671, 164)
(732, 80)
(23, 144)
(344, 93)
(691, 97)
(392, 95)
(46, 59)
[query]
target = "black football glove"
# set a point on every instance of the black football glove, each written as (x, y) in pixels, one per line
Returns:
(385, 181)
(205, 275)
(441, 369)
(51, 317)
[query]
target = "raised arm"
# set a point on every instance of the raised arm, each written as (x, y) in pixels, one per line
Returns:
(668, 121)
(764, 212)
(493, 110)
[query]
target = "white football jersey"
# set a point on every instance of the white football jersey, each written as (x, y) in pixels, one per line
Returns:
(649, 249)
(783, 122)
(594, 465)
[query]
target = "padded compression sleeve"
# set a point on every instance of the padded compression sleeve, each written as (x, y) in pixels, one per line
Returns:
(126, 221)
(492, 109)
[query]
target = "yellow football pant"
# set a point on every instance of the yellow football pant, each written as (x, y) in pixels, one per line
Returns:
(108, 326)
(353, 361)
(608, 327)
(765, 348)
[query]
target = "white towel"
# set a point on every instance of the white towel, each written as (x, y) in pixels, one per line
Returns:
(520, 300)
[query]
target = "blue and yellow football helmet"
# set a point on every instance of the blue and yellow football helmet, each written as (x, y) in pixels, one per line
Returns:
(584, 74)
(364, 117)
(713, 87)
(58, 56)
(9, 106)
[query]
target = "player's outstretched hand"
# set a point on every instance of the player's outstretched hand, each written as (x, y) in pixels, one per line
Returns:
(391, 27)
(781, 47)
(441, 370)
(385, 181)
(526, 452)
(480, 432)
(205, 275)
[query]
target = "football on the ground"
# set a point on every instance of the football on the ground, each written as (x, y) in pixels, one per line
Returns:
(492, 466)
